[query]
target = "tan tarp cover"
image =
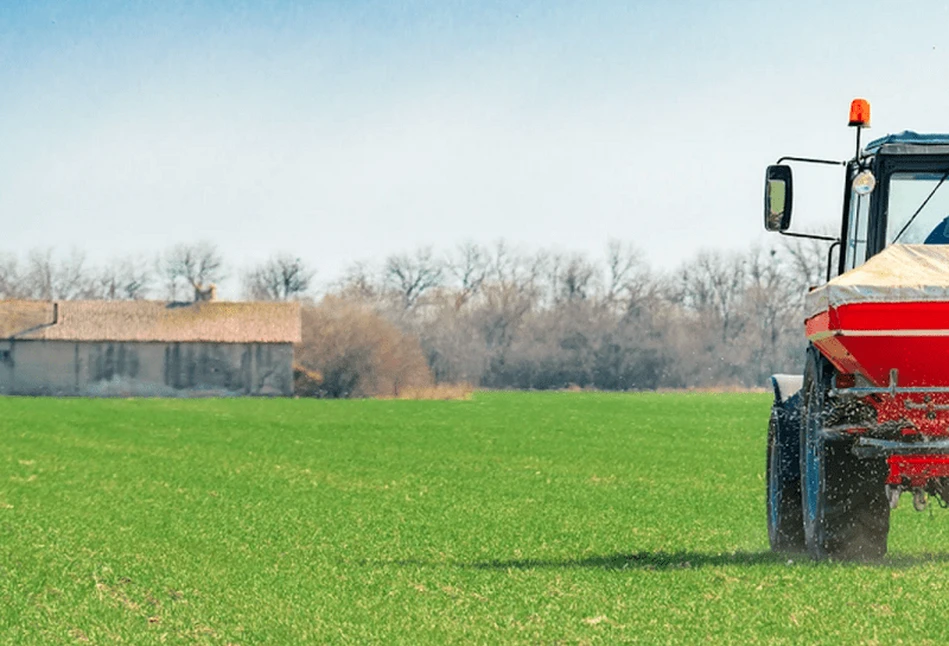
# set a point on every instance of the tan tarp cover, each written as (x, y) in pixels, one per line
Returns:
(900, 273)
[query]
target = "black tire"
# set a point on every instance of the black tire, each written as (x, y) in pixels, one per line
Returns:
(845, 509)
(785, 515)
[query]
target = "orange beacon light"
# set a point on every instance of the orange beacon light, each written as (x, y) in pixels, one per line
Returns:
(860, 113)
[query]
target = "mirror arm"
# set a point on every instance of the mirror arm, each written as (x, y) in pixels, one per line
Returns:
(810, 236)
(812, 160)
(830, 257)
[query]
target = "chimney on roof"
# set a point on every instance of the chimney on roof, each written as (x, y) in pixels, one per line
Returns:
(205, 295)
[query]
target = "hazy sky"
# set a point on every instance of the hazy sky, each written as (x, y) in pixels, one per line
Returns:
(349, 130)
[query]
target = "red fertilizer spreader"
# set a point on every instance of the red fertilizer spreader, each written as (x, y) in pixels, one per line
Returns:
(884, 327)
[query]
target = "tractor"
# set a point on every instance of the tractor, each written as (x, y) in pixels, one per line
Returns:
(869, 418)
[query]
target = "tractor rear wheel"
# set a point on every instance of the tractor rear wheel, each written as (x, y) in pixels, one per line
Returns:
(785, 516)
(845, 509)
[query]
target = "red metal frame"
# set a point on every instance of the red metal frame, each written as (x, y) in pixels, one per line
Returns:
(917, 470)
(920, 413)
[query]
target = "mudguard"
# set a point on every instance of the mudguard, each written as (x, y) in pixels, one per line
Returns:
(786, 386)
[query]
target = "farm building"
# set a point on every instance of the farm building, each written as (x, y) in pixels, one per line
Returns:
(147, 348)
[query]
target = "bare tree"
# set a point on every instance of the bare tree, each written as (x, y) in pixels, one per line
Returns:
(196, 265)
(712, 285)
(49, 279)
(517, 270)
(625, 272)
(577, 279)
(73, 278)
(10, 280)
(469, 266)
(413, 275)
(360, 282)
(506, 265)
(282, 277)
(509, 295)
(124, 279)
(40, 274)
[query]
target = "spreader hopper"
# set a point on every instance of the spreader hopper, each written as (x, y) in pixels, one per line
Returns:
(887, 321)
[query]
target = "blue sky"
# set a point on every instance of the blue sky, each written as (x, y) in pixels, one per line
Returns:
(344, 131)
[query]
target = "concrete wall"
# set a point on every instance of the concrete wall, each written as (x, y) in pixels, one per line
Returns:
(145, 369)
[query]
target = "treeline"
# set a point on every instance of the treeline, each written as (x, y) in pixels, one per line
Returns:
(173, 274)
(494, 316)
(502, 318)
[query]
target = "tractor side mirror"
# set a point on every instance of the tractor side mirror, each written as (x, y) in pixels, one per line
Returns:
(777, 198)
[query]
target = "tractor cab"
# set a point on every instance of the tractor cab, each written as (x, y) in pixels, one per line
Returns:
(896, 190)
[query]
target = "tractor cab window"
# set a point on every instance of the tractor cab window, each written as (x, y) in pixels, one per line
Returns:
(856, 247)
(918, 208)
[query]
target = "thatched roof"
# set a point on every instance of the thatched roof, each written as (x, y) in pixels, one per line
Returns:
(151, 321)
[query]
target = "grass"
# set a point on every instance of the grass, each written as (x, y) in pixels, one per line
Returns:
(516, 518)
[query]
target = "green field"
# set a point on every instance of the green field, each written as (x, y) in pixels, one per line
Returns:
(516, 518)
